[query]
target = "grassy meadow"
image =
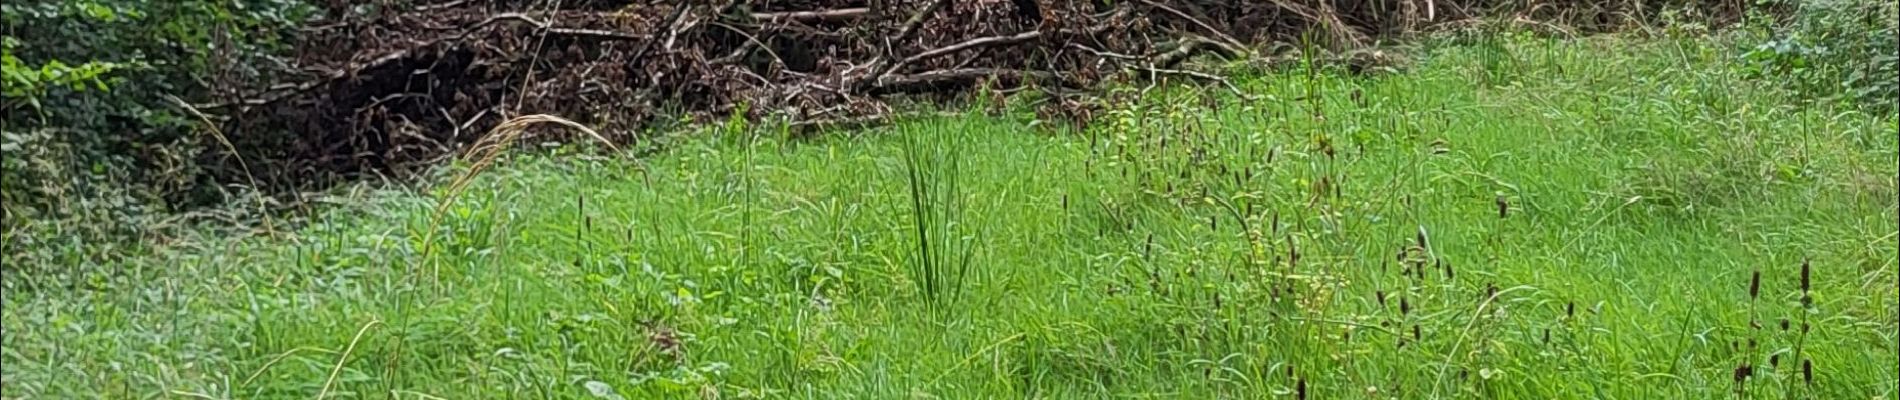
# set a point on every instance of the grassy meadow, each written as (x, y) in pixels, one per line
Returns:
(1513, 218)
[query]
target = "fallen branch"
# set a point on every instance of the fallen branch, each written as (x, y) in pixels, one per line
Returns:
(966, 45)
(598, 34)
(910, 26)
(440, 6)
(679, 11)
(882, 64)
(838, 15)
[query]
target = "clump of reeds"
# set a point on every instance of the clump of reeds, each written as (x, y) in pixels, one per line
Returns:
(933, 172)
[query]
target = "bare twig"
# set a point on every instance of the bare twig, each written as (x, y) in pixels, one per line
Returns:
(838, 15)
(1200, 76)
(1226, 40)
(599, 34)
(910, 26)
(883, 65)
(1104, 54)
(965, 45)
(679, 11)
(440, 6)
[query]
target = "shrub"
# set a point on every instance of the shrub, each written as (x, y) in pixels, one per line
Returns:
(1835, 50)
(92, 142)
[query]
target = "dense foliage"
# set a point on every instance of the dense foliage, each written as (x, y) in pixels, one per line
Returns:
(94, 146)
(1839, 50)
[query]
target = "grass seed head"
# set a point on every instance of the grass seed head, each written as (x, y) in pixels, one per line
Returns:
(1807, 372)
(1754, 285)
(1804, 278)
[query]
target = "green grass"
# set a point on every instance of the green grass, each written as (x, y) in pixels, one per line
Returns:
(1171, 250)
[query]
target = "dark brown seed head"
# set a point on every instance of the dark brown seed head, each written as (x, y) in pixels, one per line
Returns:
(1807, 371)
(1504, 207)
(1804, 278)
(1742, 372)
(1381, 296)
(1405, 306)
(1289, 371)
(1546, 335)
(1754, 285)
(1299, 389)
(1449, 274)
(1774, 361)
(1416, 334)
(1784, 324)
(1421, 238)
(1570, 309)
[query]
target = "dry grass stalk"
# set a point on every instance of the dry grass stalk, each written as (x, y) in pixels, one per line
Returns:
(483, 154)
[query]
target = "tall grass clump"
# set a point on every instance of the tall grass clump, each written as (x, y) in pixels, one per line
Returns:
(933, 167)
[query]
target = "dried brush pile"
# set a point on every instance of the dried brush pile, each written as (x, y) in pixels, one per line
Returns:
(391, 84)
